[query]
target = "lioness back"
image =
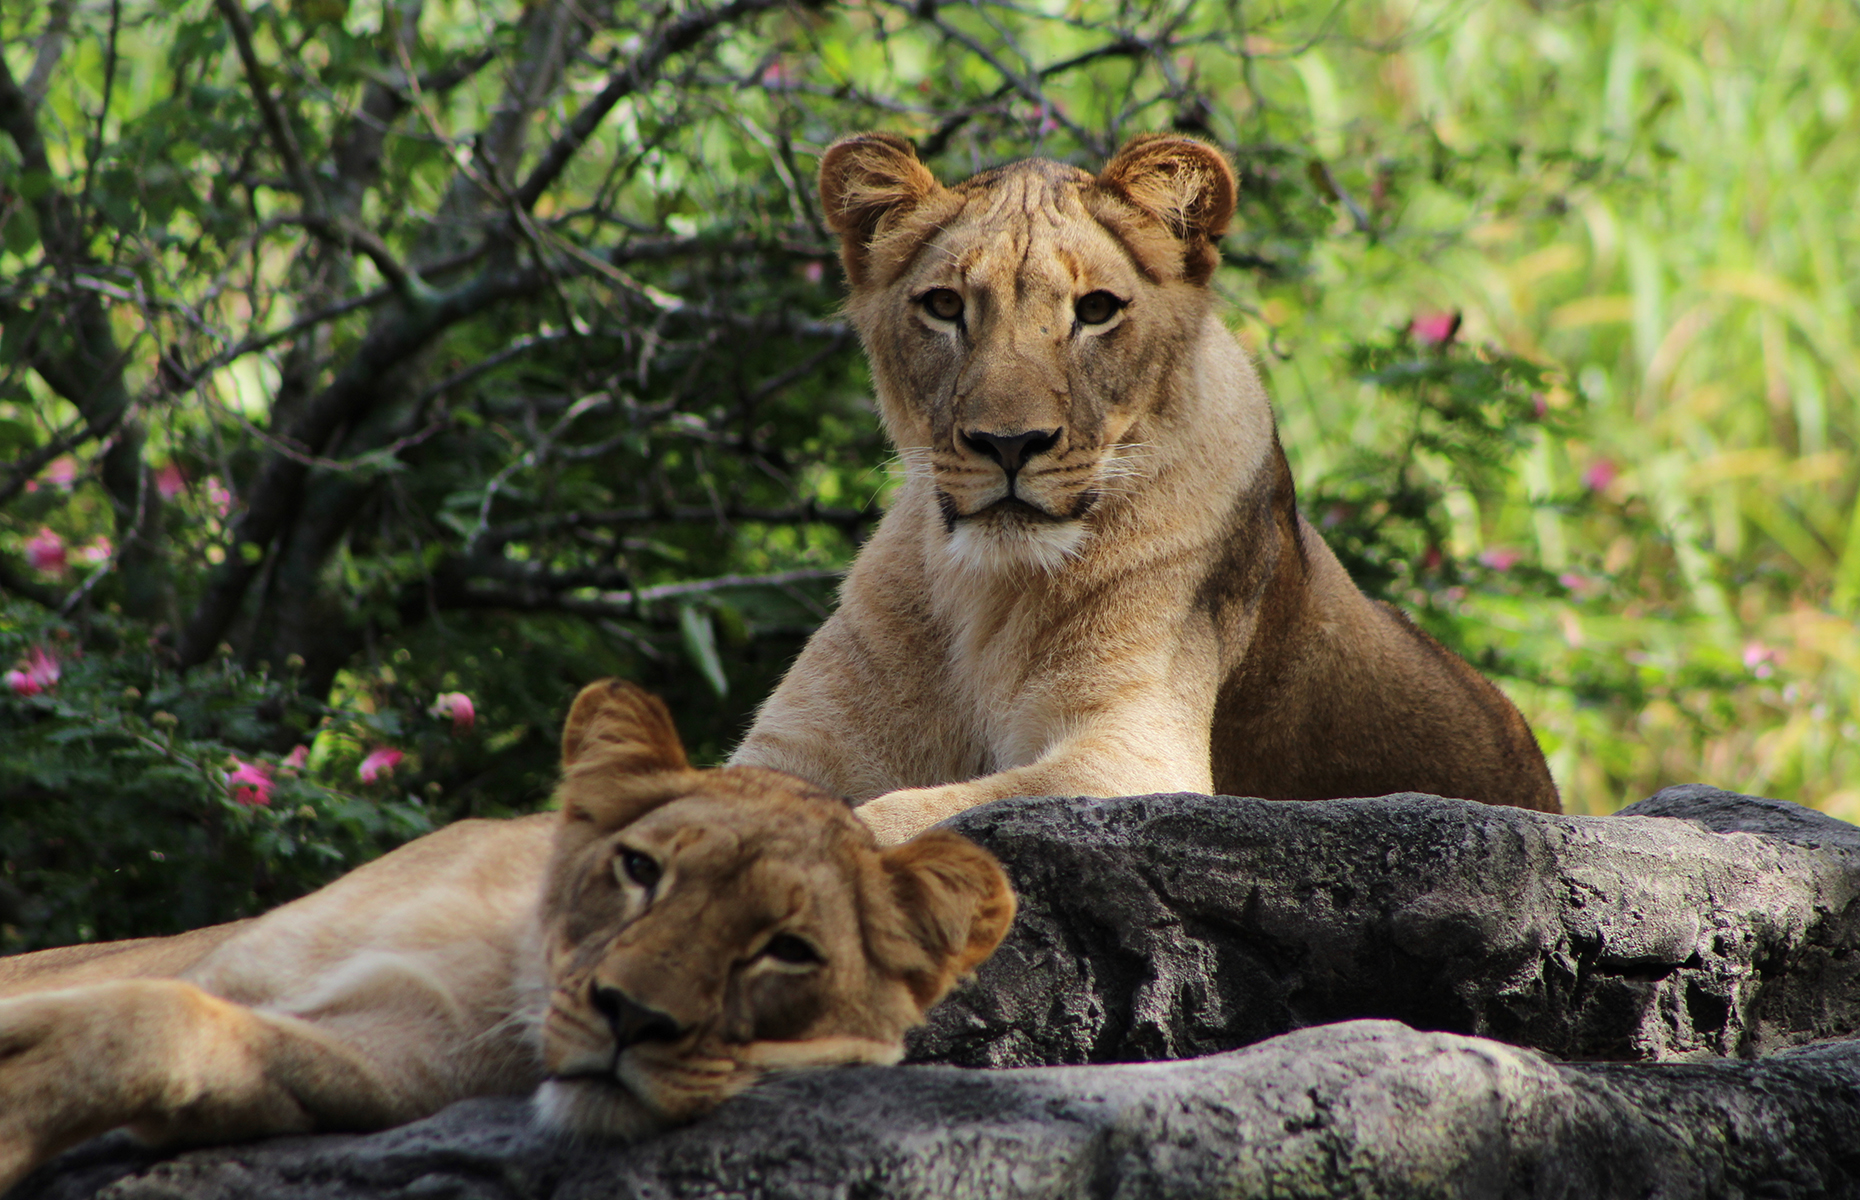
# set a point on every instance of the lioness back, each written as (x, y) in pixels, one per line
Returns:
(1095, 579)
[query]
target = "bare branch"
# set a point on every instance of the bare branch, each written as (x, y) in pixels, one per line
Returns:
(406, 283)
(810, 513)
(1028, 88)
(640, 71)
(621, 605)
(51, 46)
(275, 122)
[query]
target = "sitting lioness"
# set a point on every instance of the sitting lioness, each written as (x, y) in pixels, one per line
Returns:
(1095, 579)
(667, 938)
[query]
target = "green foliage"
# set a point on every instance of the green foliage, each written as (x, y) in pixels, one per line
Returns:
(121, 820)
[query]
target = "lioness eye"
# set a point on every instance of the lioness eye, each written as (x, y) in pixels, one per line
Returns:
(787, 948)
(640, 868)
(943, 304)
(1095, 308)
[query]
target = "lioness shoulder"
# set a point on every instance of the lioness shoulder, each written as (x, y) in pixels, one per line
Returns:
(1095, 578)
(667, 938)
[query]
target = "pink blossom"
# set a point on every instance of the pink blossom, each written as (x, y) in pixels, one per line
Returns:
(814, 271)
(379, 764)
(775, 75)
(46, 552)
(1581, 586)
(38, 675)
(1500, 558)
(296, 759)
(1434, 329)
(250, 783)
(456, 705)
(98, 551)
(1759, 659)
(218, 496)
(1600, 474)
(1540, 406)
(170, 481)
(61, 472)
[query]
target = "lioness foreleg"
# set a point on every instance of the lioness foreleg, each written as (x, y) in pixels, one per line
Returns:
(1105, 764)
(176, 1065)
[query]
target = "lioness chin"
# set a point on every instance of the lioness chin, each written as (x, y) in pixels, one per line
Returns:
(1095, 579)
(666, 939)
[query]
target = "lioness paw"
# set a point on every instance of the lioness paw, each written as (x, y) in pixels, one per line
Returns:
(900, 816)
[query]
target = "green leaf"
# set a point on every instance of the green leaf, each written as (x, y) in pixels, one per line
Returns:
(21, 232)
(16, 436)
(700, 638)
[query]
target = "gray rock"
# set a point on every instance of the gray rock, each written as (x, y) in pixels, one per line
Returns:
(1700, 926)
(1695, 924)
(1368, 1108)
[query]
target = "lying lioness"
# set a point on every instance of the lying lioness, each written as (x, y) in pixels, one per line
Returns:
(1095, 579)
(665, 940)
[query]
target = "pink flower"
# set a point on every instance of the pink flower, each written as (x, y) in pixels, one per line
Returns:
(775, 75)
(1759, 659)
(1500, 558)
(46, 552)
(1580, 586)
(296, 759)
(456, 705)
(218, 496)
(1600, 474)
(61, 472)
(814, 271)
(379, 764)
(40, 674)
(250, 783)
(1434, 329)
(1540, 406)
(98, 551)
(170, 482)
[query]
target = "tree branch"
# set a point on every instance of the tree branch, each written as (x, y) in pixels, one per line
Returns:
(641, 70)
(623, 605)
(275, 123)
(809, 513)
(402, 279)
(272, 495)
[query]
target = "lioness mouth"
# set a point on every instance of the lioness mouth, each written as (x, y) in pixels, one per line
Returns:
(1008, 506)
(1015, 506)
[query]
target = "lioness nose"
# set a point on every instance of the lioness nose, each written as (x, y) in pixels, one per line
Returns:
(1011, 449)
(631, 1021)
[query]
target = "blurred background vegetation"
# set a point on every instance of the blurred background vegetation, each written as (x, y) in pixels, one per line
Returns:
(375, 372)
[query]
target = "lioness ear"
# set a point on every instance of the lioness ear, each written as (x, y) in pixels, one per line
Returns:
(623, 725)
(1185, 184)
(956, 905)
(865, 180)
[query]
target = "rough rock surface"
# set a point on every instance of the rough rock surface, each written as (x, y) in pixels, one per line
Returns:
(1368, 1108)
(1697, 923)
(1701, 925)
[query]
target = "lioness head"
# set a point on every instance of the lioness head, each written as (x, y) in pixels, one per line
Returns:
(1022, 324)
(705, 927)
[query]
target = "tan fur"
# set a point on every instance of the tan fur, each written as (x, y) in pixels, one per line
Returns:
(494, 956)
(1146, 610)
